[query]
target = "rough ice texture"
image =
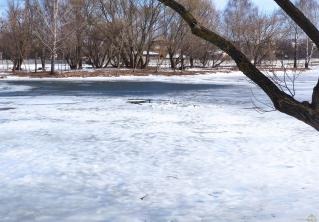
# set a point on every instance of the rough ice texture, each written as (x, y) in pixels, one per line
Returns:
(76, 150)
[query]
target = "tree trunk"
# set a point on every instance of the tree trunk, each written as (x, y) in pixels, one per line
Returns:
(55, 35)
(35, 65)
(73, 67)
(307, 54)
(52, 64)
(17, 64)
(172, 61)
(43, 63)
(315, 97)
(43, 59)
(296, 51)
(191, 61)
(306, 64)
(182, 61)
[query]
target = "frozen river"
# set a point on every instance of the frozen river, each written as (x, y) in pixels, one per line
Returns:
(77, 151)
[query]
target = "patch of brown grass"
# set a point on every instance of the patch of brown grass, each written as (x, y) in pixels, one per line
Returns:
(131, 72)
(110, 73)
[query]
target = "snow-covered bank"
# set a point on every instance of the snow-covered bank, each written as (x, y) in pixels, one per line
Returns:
(76, 150)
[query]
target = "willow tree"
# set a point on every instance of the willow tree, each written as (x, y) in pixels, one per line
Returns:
(305, 111)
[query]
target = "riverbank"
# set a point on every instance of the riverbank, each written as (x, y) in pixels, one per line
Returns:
(88, 73)
(114, 73)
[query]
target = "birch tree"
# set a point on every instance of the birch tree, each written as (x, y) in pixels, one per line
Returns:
(310, 9)
(49, 23)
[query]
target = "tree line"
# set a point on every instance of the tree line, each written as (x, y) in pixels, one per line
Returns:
(126, 33)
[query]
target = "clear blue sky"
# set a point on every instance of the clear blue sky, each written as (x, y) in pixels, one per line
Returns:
(265, 5)
(3, 4)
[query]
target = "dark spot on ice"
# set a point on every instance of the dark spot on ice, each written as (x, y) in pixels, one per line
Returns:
(139, 101)
(289, 167)
(143, 101)
(6, 108)
(215, 194)
(142, 198)
(173, 177)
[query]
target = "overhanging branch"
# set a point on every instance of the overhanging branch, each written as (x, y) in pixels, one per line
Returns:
(241, 60)
(281, 100)
(308, 27)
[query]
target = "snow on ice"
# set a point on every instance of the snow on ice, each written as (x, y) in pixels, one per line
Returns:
(77, 150)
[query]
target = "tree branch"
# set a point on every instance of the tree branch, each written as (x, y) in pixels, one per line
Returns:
(315, 97)
(282, 101)
(306, 25)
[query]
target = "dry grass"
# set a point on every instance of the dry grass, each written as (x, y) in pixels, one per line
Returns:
(130, 72)
(111, 73)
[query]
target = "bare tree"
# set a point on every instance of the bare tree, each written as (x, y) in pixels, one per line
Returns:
(238, 16)
(179, 43)
(174, 31)
(111, 14)
(293, 38)
(197, 49)
(49, 24)
(75, 24)
(251, 31)
(16, 33)
(310, 9)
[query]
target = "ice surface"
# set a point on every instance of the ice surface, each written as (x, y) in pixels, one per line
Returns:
(76, 150)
